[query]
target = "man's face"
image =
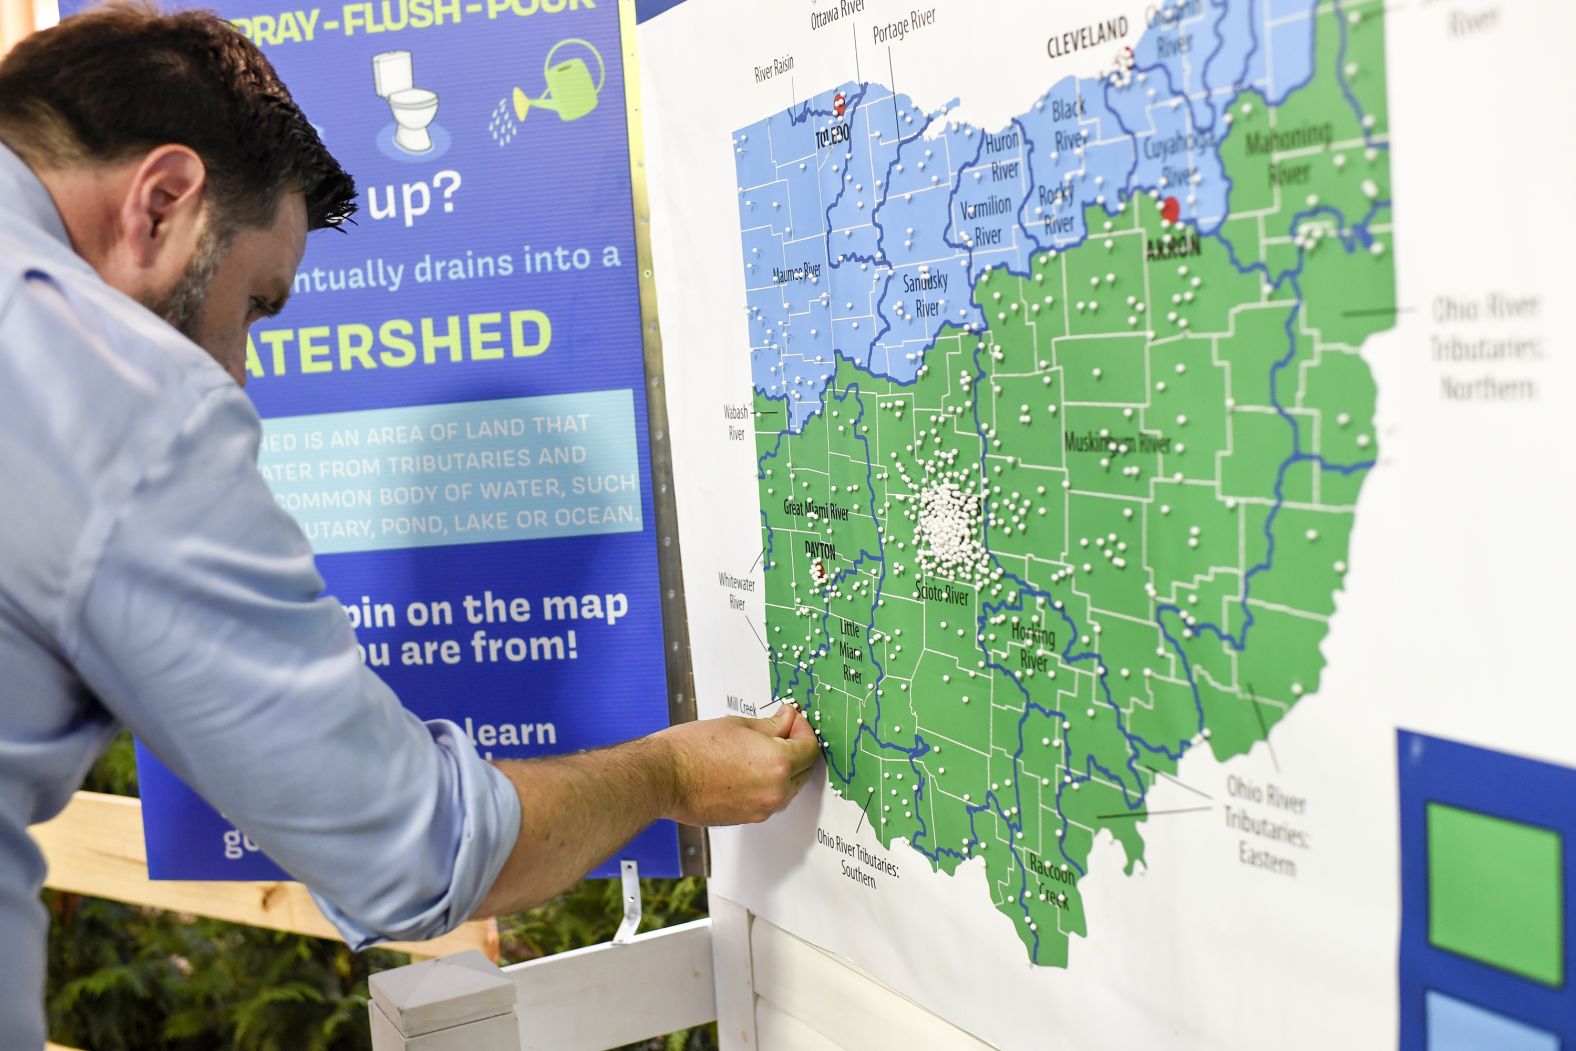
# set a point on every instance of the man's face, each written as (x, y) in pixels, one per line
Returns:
(230, 283)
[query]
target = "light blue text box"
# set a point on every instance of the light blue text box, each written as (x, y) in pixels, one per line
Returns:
(1455, 1025)
(461, 473)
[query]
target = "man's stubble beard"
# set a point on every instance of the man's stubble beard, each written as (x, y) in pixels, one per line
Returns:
(182, 306)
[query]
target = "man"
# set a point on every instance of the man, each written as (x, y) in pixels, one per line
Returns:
(157, 184)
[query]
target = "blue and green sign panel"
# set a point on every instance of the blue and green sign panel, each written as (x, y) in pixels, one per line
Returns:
(454, 399)
(1487, 844)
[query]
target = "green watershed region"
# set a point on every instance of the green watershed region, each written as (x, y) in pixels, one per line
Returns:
(1105, 530)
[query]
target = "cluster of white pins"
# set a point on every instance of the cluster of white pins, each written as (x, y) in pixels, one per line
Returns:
(948, 534)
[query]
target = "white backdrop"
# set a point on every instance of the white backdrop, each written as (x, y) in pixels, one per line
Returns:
(1454, 620)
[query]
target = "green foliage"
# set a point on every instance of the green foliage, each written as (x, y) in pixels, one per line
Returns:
(125, 978)
(116, 770)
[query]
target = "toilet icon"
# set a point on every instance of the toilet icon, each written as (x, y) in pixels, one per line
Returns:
(414, 108)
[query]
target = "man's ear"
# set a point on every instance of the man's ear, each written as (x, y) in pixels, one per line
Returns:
(162, 208)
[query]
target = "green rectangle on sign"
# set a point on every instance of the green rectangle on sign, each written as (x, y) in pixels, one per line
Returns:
(1495, 892)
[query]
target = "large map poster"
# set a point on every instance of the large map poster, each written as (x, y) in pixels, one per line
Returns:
(1117, 428)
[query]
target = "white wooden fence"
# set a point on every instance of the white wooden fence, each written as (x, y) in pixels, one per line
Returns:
(765, 988)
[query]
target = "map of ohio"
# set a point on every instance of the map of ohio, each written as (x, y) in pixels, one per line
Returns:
(1062, 427)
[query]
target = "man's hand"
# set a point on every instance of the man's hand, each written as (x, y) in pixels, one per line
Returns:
(734, 770)
(575, 810)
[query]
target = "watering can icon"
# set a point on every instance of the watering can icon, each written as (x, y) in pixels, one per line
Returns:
(570, 91)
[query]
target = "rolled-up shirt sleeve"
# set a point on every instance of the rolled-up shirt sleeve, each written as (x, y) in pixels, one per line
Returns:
(201, 623)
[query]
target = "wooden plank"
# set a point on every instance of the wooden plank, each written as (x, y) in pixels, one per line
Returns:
(611, 995)
(839, 1001)
(735, 982)
(95, 847)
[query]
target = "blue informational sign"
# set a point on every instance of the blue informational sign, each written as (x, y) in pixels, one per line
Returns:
(454, 399)
(1488, 944)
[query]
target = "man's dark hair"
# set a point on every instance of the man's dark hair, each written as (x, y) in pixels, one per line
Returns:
(119, 80)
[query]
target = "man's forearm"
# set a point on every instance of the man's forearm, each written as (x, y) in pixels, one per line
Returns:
(575, 811)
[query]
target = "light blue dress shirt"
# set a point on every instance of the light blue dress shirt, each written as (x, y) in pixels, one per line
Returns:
(149, 580)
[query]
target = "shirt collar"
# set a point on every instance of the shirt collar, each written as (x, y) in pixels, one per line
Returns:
(23, 194)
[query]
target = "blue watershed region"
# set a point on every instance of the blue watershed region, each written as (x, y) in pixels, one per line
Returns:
(481, 471)
(866, 220)
(789, 674)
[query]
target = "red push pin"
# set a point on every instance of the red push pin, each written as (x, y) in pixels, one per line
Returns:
(839, 104)
(1171, 210)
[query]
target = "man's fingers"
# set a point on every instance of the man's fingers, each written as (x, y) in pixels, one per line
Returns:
(802, 753)
(801, 730)
(782, 722)
(802, 734)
